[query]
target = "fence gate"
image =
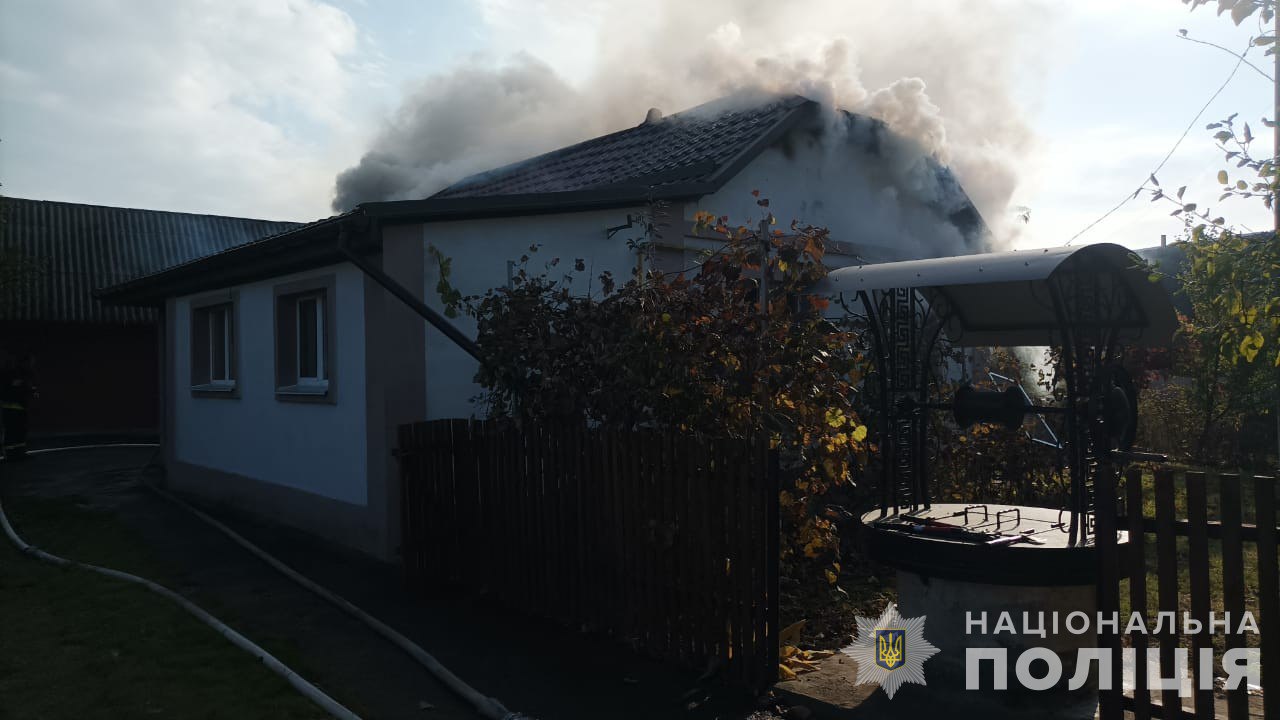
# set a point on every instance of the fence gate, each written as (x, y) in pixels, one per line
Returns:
(656, 538)
(1199, 544)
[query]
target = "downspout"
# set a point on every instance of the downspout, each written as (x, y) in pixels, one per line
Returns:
(487, 707)
(402, 293)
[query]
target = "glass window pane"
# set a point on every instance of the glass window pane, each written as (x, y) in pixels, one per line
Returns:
(218, 343)
(307, 340)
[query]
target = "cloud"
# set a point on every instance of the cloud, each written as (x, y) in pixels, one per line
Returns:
(233, 106)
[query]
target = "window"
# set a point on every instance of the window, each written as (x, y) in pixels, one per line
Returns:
(304, 340)
(310, 320)
(213, 357)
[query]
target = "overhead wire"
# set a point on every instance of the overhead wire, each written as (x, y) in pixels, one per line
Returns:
(1240, 60)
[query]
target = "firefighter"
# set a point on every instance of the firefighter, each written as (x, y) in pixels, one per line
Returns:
(16, 392)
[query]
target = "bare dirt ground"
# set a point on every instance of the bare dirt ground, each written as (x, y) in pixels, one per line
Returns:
(533, 667)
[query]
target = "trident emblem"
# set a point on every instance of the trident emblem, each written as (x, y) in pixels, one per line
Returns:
(891, 647)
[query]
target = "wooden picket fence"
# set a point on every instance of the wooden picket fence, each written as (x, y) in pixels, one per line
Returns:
(660, 539)
(1193, 534)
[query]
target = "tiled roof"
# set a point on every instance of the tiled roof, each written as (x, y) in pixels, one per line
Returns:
(686, 155)
(688, 147)
(78, 248)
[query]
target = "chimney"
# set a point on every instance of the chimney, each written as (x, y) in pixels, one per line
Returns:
(653, 116)
(1164, 240)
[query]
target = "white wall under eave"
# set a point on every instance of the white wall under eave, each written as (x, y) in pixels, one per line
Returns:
(480, 249)
(314, 447)
(839, 186)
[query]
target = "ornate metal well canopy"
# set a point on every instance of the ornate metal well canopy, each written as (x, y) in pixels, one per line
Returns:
(1089, 302)
(1011, 299)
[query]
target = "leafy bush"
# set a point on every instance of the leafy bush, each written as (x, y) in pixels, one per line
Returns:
(1167, 421)
(693, 351)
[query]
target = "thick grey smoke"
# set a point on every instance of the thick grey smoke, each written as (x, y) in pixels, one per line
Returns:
(940, 74)
(453, 125)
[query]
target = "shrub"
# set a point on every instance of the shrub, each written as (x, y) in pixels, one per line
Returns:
(694, 351)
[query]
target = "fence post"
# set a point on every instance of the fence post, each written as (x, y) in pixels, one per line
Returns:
(1134, 507)
(1233, 583)
(1108, 583)
(1198, 572)
(773, 549)
(409, 544)
(1167, 574)
(1268, 594)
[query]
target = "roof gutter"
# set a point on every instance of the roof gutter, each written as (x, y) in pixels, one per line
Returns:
(302, 248)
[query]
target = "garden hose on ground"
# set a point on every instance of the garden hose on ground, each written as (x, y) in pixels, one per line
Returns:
(315, 694)
(488, 707)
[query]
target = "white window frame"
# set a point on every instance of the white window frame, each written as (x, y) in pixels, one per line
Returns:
(226, 381)
(320, 380)
(290, 301)
(202, 366)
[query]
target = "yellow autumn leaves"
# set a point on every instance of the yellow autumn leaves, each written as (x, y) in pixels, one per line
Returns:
(797, 662)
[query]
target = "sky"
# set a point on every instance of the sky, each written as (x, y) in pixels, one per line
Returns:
(253, 107)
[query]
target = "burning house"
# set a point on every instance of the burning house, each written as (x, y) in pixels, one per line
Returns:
(290, 408)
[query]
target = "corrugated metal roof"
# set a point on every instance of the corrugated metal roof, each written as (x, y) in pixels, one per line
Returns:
(687, 147)
(78, 248)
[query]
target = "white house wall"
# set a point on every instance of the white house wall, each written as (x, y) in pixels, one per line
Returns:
(480, 249)
(855, 195)
(318, 448)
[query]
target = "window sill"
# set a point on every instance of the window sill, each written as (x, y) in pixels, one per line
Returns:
(318, 392)
(215, 390)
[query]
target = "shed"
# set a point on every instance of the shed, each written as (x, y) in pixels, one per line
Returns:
(95, 365)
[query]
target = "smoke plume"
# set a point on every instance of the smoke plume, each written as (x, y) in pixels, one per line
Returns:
(940, 74)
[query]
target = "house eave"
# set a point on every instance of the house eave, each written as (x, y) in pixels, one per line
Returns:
(318, 244)
(289, 253)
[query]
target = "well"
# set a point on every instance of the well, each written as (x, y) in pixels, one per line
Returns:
(957, 560)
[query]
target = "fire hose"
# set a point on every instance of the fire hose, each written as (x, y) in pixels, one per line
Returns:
(315, 694)
(488, 707)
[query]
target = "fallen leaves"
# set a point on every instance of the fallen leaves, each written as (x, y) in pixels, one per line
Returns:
(795, 662)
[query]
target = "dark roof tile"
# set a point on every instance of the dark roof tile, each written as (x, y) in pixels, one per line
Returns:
(691, 146)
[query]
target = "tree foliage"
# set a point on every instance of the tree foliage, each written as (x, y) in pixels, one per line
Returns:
(1240, 10)
(1229, 346)
(1233, 281)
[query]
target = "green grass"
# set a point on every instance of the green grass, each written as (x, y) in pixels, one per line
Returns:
(1213, 511)
(74, 644)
